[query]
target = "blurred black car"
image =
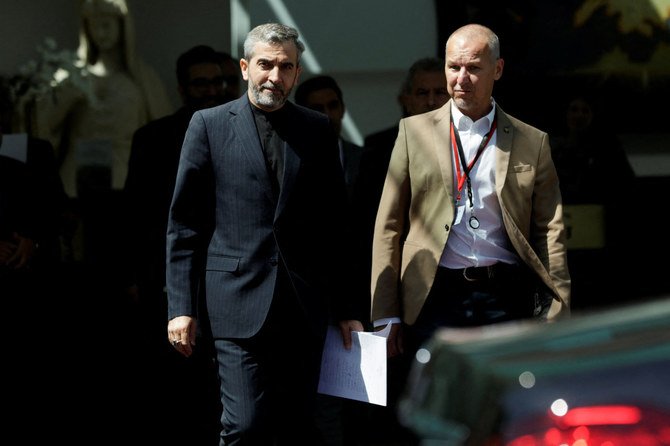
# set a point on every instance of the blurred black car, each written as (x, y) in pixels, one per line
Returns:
(597, 379)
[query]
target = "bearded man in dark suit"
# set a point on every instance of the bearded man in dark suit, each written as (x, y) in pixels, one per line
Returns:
(257, 231)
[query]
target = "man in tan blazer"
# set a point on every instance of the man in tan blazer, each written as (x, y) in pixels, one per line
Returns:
(470, 228)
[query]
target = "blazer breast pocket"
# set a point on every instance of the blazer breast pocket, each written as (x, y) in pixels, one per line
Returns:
(520, 168)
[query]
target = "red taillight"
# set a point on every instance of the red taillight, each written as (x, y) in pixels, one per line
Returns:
(526, 440)
(610, 425)
(600, 415)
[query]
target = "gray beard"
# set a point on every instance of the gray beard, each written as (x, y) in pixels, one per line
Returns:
(268, 100)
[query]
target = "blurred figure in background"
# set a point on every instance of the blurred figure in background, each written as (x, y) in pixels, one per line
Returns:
(323, 94)
(32, 206)
(424, 89)
(31, 219)
(589, 158)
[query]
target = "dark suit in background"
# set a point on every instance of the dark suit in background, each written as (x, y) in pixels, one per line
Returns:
(336, 417)
(350, 156)
(323, 94)
(32, 200)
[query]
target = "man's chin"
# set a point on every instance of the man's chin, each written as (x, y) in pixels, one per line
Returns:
(272, 102)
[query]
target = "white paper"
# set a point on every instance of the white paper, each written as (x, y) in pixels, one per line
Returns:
(15, 145)
(359, 373)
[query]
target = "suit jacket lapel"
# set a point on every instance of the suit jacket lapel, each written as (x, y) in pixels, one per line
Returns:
(442, 133)
(291, 164)
(504, 135)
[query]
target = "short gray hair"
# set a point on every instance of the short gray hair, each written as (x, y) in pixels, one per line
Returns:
(272, 33)
(428, 65)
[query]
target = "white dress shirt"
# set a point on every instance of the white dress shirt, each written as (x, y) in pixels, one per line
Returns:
(488, 244)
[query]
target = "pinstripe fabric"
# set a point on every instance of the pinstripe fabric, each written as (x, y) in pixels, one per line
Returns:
(226, 234)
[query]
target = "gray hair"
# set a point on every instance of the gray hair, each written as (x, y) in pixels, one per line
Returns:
(274, 34)
(428, 65)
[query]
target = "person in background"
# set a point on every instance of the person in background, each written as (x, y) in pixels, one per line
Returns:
(588, 155)
(470, 229)
(256, 239)
(323, 94)
(205, 78)
(31, 203)
(424, 89)
(32, 209)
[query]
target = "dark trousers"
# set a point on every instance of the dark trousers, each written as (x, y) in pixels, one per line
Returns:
(269, 382)
(473, 297)
(460, 298)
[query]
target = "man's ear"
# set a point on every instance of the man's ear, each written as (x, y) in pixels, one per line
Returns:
(244, 65)
(500, 63)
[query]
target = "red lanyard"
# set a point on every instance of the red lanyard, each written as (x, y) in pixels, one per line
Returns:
(459, 158)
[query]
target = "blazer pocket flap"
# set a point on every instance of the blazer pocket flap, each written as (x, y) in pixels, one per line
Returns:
(219, 263)
(522, 168)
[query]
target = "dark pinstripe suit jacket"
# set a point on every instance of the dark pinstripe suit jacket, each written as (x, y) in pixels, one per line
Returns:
(227, 232)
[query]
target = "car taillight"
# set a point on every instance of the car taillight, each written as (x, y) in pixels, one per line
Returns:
(600, 415)
(610, 425)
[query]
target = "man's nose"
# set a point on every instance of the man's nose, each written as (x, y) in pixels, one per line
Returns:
(273, 75)
(462, 76)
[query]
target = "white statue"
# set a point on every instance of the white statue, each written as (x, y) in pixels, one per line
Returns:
(90, 120)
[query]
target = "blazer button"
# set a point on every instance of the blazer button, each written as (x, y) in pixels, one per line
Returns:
(446, 227)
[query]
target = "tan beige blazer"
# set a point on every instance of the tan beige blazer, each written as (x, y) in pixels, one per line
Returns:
(417, 209)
